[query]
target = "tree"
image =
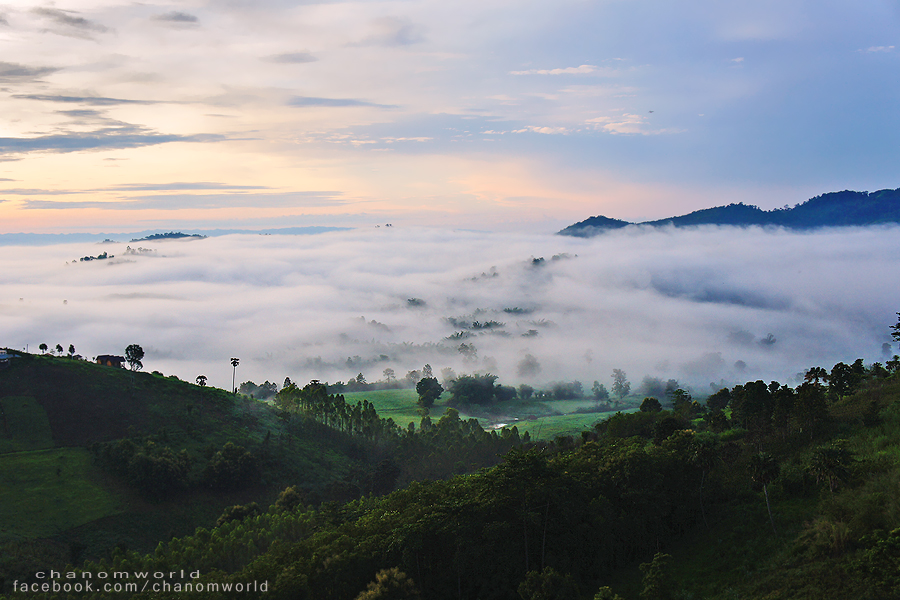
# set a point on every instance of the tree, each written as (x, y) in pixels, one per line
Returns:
(390, 584)
(599, 391)
(548, 585)
(71, 349)
(201, 380)
(896, 329)
(621, 387)
(651, 405)
(719, 400)
(43, 348)
(134, 354)
(389, 375)
(473, 389)
(763, 470)
(234, 363)
(815, 374)
(429, 391)
(831, 464)
(59, 349)
(657, 580)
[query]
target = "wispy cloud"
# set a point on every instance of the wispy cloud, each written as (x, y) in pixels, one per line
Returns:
(334, 102)
(539, 129)
(392, 31)
(176, 202)
(90, 100)
(69, 24)
(628, 124)
(880, 49)
(177, 19)
(580, 70)
(291, 58)
(14, 72)
(109, 138)
(199, 185)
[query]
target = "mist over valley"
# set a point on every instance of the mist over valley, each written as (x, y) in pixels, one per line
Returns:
(708, 305)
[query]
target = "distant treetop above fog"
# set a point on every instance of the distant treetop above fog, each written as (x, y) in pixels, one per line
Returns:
(835, 209)
(172, 235)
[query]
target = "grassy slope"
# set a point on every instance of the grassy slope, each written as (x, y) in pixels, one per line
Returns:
(61, 406)
(45, 492)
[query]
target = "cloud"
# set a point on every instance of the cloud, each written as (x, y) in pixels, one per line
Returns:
(685, 304)
(544, 130)
(628, 124)
(13, 72)
(199, 185)
(3, 20)
(198, 201)
(89, 100)
(177, 19)
(580, 70)
(880, 49)
(291, 58)
(70, 25)
(108, 138)
(37, 191)
(392, 31)
(334, 102)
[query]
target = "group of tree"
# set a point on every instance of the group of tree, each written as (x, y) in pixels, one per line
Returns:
(59, 349)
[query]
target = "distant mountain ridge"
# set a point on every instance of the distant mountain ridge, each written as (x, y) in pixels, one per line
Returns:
(834, 209)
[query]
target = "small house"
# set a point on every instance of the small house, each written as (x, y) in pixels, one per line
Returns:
(111, 361)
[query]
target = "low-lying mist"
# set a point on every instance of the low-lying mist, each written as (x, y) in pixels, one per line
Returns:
(710, 305)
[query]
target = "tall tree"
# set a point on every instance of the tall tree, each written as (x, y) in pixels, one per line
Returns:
(234, 363)
(133, 355)
(763, 470)
(43, 347)
(621, 387)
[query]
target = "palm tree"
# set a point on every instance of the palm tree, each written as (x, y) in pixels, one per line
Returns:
(764, 469)
(234, 364)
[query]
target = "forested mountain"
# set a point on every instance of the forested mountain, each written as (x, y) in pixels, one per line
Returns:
(835, 209)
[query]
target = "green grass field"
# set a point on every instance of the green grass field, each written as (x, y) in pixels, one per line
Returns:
(26, 425)
(400, 405)
(44, 492)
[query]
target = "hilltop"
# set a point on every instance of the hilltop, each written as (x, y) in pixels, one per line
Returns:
(835, 209)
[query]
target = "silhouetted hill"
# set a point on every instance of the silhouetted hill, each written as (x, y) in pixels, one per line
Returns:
(834, 209)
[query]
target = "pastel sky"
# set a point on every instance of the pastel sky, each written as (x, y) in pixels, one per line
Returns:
(488, 114)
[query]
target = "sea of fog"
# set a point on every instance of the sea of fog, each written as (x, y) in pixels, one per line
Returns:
(703, 306)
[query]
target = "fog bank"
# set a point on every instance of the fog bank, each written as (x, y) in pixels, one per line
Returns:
(703, 306)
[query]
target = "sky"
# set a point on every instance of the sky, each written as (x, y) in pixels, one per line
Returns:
(706, 306)
(492, 115)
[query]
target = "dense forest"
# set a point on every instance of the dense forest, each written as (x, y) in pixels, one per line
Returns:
(760, 491)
